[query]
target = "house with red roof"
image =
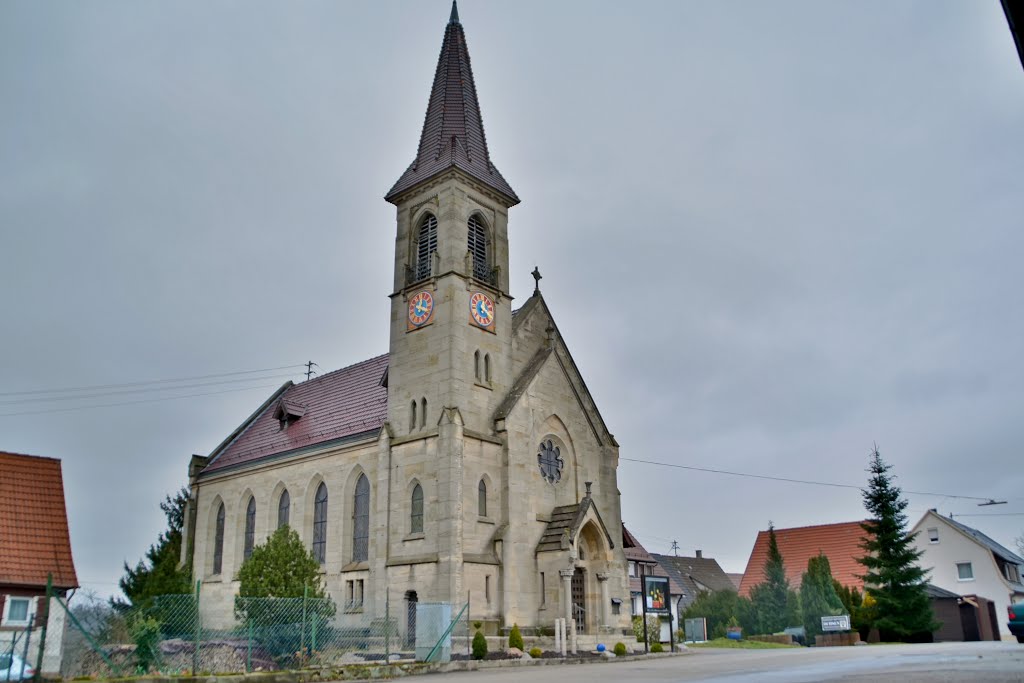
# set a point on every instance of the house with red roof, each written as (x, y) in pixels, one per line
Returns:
(840, 543)
(35, 547)
(468, 463)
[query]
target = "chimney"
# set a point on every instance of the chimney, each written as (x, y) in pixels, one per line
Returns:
(700, 554)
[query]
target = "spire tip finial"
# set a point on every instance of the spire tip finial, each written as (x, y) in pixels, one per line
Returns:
(454, 19)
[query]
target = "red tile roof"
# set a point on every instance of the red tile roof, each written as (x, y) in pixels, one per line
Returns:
(453, 129)
(338, 404)
(839, 542)
(34, 538)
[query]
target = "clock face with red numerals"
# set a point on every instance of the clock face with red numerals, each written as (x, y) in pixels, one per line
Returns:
(421, 306)
(481, 310)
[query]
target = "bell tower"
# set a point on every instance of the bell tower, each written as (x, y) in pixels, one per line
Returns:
(451, 312)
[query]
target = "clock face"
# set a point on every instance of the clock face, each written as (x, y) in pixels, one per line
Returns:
(481, 310)
(421, 308)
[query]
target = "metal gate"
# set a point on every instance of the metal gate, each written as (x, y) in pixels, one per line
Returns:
(579, 612)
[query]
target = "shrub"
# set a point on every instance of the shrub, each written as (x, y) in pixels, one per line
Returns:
(145, 632)
(515, 638)
(653, 628)
(536, 652)
(657, 648)
(619, 649)
(479, 646)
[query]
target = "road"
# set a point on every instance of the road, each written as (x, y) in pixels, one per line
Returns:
(976, 662)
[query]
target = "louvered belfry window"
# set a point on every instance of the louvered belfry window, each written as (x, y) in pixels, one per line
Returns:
(361, 520)
(426, 245)
(477, 245)
(250, 528)
(320, 524)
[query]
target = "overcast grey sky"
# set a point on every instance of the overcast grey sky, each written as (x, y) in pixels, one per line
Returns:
(771, 233)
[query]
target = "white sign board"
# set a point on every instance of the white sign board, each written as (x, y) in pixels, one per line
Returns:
(840, 623)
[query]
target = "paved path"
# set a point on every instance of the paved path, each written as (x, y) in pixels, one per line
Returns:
(981, 662)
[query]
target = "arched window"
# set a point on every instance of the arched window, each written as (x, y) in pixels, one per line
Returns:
(416, 517)
(423, 412)
(476, 365)
(284, 505)
(320, 524)
(250, 528)
(218, 541)
(361, 520)
(478, 247)
(426, 245)
(481, 499)
(487, 367)
(412, 415)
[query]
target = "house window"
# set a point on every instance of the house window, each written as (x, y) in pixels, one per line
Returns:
(477, 245)
(416, 518)
(320, 524)
(1012, 573)
(616, 606)
(426, 245)
(632, 568)
(250, 528)
(17, 611)
(964, 571)
(933, 535)
(481, 499)
(284, 505)
(361, 520)
(218, 541)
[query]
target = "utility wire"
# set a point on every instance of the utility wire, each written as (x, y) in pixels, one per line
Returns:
(139, 384)
(791, 481)
(131, 403)
(144, 390)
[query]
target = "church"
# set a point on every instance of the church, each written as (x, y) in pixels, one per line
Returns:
(469, 462)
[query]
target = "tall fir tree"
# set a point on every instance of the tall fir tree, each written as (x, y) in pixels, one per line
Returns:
(774, 601)
(893, 577)
(159, 573)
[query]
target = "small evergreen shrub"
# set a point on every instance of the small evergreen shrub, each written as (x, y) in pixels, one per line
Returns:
(657, 647)
(146, 634)
(536, 652)
(515, 638)
(619, 650)
(479, 646)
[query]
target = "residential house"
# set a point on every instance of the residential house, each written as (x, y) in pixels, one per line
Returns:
(35, 547)
(965, 561)
(695, 575)
(840, 543)
(641, 563)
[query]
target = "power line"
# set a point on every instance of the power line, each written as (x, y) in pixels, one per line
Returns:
(136, 402)
(143, 383)
(789, 480)
(144, 390)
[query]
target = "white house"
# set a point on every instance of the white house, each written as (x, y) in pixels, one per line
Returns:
(967, 562)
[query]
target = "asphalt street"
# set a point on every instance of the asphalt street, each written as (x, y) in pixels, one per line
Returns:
(942, 662)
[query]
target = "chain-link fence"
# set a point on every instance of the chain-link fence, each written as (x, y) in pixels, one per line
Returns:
(177, 634)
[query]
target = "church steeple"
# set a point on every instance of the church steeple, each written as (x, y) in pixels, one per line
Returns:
(453, 130)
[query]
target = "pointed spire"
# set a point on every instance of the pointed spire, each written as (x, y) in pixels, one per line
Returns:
(453, 129)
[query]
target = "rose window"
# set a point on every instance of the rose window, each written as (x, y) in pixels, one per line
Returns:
(550, 461)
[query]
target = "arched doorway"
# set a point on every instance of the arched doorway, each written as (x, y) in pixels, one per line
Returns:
(410, 618)
(592, 560)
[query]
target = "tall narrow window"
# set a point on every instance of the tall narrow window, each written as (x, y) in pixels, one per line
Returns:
(250, 528)
(481, 499)
(426, 245)
(477, 245)
(412, 415)
(284, 505)
(487, 367)
(218, 541)
(416, 517)
(423, 413)
(476, 365)
(361, 520)
(320, 524)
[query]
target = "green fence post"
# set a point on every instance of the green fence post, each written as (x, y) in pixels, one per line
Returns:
(387, 628)
(195, 651)
(312, 632)
(302, 628)
(42, 636)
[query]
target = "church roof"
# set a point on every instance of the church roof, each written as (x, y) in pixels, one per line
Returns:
(345, 403)
(34, 537)
(453, 129)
